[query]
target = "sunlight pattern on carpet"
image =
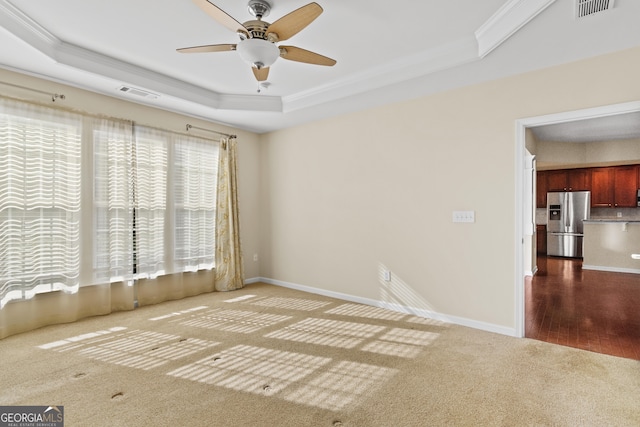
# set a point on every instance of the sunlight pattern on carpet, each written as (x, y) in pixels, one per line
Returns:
(252, 369)
(291, 303)
(359, 310)
(240, 298)
(135, 349)
(240, 321)
(401, 342)
(410, 336)
(332, 333)
(67, 343)
(341, 385)
(179, 313)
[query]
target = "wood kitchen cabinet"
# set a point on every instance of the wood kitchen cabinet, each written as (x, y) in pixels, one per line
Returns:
(557, 180)
(541, 189)
(561, 180)
(569, 180)
(625, 190)
(541, 239)
(614, 186)
(601, 187)
(579, 179)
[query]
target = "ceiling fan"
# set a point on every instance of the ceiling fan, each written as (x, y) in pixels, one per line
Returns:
(258, 38)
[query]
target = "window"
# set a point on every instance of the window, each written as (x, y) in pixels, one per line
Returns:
(40, 173)
(176, 179)
(150, 194)
(194, 186)
(112, 201)
(85, 201)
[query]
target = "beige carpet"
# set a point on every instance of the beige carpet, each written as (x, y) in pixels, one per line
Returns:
(270, 356)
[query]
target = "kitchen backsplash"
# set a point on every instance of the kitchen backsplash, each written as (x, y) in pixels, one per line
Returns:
(597, 213)
(607, 213)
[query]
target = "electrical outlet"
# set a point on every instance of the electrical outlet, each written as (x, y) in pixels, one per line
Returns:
(255, 257)
(619, 214)
(464, 216)
(387, 276)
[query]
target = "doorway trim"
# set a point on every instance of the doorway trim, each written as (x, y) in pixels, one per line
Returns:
(520, 160)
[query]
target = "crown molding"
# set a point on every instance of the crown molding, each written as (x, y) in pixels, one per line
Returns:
(99, 64)
(406, 68)
(26, 29)
(96, 63)
(512, 16)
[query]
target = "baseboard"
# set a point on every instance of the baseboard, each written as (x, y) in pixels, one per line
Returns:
(611, 269)
(475, 324)
(530, 272)
(252, 280)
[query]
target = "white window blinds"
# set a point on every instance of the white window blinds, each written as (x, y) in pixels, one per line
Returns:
(175, 196)
(112, 200)
(87, 200)
(40, 172)
(150, 194)
(194, 187)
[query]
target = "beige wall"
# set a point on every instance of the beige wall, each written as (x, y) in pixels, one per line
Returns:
(342, 197)
(554, 155)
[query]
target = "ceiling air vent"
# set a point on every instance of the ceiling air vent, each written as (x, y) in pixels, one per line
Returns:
(589, 7)
(137, 92)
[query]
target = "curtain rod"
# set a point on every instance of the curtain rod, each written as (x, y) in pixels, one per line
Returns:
(210, 130)
(54, 96)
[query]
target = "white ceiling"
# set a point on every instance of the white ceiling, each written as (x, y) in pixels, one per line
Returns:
(386, 51)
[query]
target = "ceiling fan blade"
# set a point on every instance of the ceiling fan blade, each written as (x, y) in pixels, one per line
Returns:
(208, 48)
(262, 74)
(297, 54)
(221, 16)
(291, 24)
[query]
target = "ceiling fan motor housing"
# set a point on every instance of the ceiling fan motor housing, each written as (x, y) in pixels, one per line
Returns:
(257, 29)
(259, 8)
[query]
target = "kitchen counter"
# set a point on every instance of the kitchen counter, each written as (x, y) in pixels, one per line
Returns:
(615, 220)
(609, 244)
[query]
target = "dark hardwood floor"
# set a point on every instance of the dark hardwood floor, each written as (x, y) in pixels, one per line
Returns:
(592, 310)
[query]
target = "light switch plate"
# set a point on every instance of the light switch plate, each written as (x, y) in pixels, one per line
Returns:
(464, 216)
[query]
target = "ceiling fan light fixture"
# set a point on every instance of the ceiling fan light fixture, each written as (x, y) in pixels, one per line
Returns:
(259, 53)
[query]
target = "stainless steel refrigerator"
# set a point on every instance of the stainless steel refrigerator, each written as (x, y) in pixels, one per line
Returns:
(566, 212)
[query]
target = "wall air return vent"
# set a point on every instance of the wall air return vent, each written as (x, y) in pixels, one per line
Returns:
(589, 7)
(137, 92)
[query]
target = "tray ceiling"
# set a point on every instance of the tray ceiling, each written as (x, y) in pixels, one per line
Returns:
(386, 51)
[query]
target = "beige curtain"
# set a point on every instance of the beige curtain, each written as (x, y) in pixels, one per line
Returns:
(229, 269)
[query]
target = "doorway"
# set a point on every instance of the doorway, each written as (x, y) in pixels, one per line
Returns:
(524, 198)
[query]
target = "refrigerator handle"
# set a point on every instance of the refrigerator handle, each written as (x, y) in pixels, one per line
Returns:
(566, 212)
